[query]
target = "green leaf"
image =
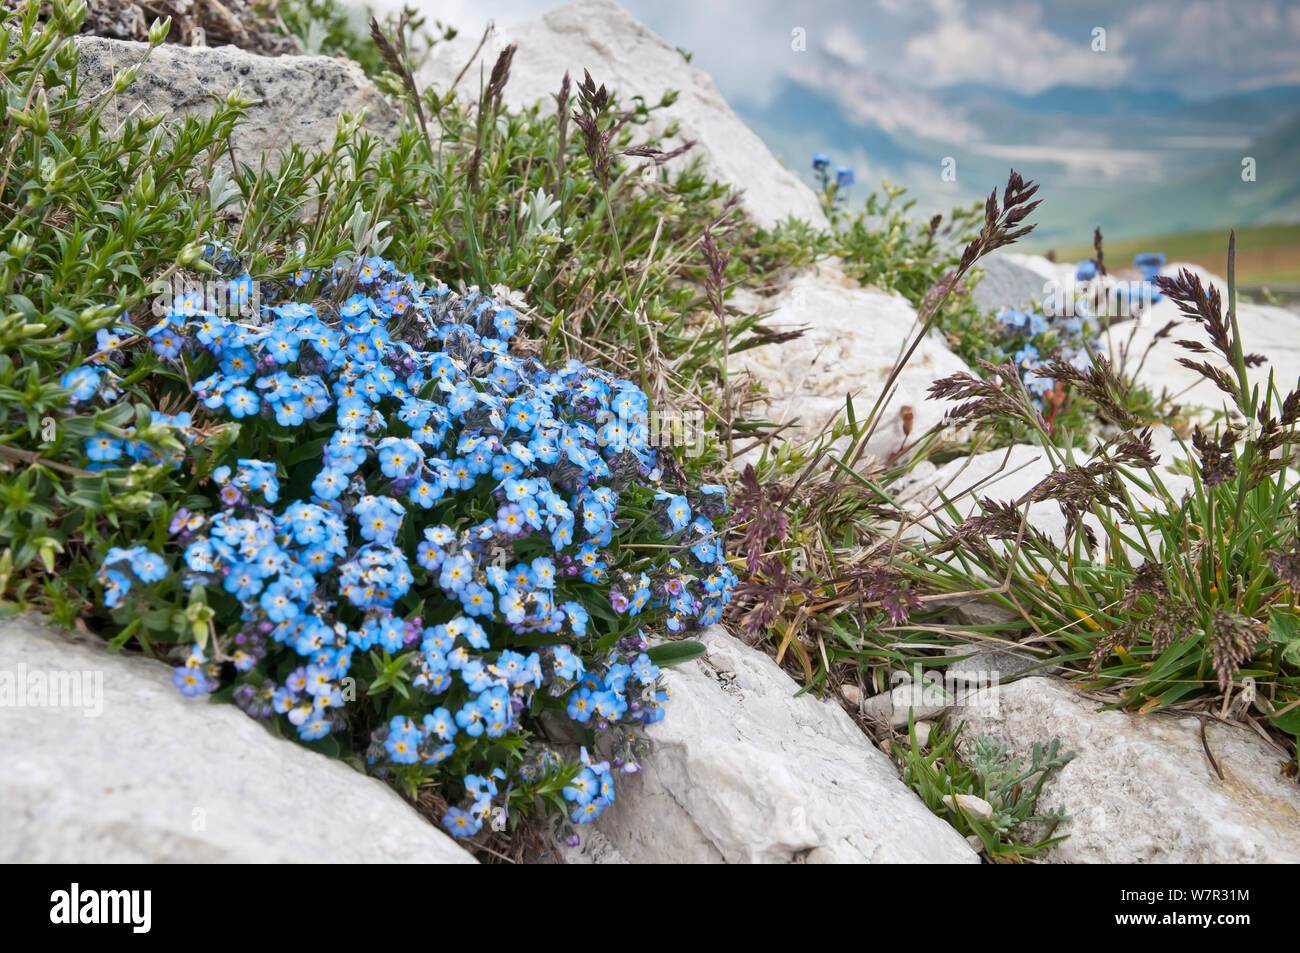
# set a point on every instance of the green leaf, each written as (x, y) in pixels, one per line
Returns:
(311, 450)
(1284, 629)
(1289, 722)
(675, 653)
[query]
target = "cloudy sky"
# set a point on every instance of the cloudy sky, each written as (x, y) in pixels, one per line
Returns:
(1199, 47)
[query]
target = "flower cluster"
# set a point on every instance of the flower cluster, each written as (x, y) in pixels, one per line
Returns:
(454, 536)
(1032, 340)
(821, 164)
(122, 568)
(1071, 330)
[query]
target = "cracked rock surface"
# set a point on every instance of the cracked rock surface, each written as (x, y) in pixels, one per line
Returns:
(300, 96)
(158, 778)
(1141, 788)
(742, 771)
(852, 337)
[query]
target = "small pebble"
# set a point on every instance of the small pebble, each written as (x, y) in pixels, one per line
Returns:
(975, 807)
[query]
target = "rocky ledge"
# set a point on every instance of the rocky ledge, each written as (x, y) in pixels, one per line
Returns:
(104, 762)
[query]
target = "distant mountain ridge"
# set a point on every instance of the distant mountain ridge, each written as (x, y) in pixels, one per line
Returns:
(1218, 196)
(1124, 157)
(1076, 100)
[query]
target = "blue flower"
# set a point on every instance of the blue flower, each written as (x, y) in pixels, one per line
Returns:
(316, 726)
(582, 788)
(416, 397)
(403, 741)
(102, 448)
(679, 512)
(644, 670)
(1149, 262)
(477, 600)
(107, 340)
(470, 718)
(441, 724)
(461, 823)
(190, 681)
(510, 519)
(1026, 355)
(1013, 318)
(1037, 384)
(166, 341)
(149, 567)
(82, 382)
(241, 402)
(281, 346)
(355, 306)
(567, 665)
(586, 813)
(581, 705)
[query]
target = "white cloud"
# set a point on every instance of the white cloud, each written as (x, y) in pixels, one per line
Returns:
(468, 16)
(1010, 47)
(844, 44)
(1205, 46)
(1199, 47)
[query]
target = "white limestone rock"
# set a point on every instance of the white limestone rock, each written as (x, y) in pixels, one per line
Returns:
(926, 697)
(139, 774)
(853, 338)
(1140, 787)
(627, 58)
(976, 807)
(1271, 331)
(742, 771)
(1009, 474)
(595, 848)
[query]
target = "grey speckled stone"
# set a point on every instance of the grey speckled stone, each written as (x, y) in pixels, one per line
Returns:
(301, 96)
(1007, 283)
(154, 777)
